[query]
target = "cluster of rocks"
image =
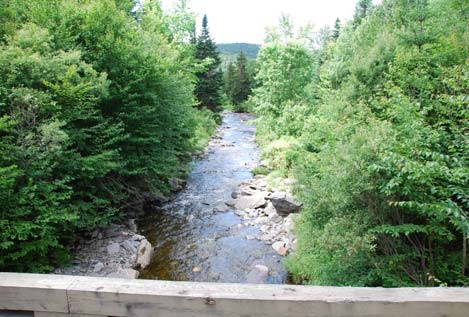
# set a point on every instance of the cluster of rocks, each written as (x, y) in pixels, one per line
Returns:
(272, 210)
(117, 251)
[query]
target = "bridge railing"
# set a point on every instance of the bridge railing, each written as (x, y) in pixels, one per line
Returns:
(56, 296)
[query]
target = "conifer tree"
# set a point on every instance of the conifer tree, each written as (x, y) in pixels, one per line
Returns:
(242, 88)
(230, 81)
(336, 32)
(210, 81)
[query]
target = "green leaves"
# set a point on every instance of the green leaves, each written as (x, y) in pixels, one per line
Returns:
(96, 111)
(378, 120)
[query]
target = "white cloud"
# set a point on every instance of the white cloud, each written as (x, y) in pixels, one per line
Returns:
(245, 20)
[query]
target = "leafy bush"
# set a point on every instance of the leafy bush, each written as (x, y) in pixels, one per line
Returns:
(96, 113)
(373, 125)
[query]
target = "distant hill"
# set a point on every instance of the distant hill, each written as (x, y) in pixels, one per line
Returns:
(229, 52)
(250, 50)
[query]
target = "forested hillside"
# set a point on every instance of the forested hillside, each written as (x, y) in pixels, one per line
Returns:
(97, 113)
(373, 125)
(250, 50)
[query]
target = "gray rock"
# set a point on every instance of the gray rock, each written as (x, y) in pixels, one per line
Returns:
(270, 209)
(113, 248)
(280, 248)
(284, 203)
(254, 201)
(138, 237)
(248, 191)
(98, 267)
(275, 218)
(262, 268)
(240, 213)
(129, 246)
(230, 203)
(144, 254)
(265, 237)
(124, 273)
(261, 220)
(258, 275)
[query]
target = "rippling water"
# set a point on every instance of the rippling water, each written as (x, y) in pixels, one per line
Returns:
(194, 243)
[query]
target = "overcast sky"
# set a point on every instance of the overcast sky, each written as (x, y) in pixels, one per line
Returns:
(245, 20)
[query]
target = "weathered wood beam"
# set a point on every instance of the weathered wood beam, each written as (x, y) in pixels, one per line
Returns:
(142, 298)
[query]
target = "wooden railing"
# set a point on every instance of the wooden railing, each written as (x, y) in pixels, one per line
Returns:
(57, 296)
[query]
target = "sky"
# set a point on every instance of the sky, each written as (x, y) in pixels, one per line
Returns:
(245, 20)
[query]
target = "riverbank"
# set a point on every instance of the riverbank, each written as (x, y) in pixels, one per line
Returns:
(117, 251)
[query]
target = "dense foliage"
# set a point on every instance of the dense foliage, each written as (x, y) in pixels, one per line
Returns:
(239, 81)
(374, 126)
(96, 114)
(209, 87)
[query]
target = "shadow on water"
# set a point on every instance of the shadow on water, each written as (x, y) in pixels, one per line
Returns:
(195, 243)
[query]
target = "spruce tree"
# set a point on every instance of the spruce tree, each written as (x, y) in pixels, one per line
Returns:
(242, 88)
(336, 32)
(210, 81)
(230, 81)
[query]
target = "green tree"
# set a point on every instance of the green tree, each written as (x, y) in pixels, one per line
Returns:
(210, 80)
(96, 115)
(362, 9)
(230, 80)
(242, 88)
(380, 151)
(58, 146)
(336, 31)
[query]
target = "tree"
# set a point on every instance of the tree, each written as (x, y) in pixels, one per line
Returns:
(238, 80)
(230, 81)
(336, 32)
(242, 89)
(362, 10)
(96, 115)
(375, 134)
(210, 80)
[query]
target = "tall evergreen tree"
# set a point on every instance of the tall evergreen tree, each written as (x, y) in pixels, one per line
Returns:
(336, 32)
(230, 80)
(242, 89)
(210, 81)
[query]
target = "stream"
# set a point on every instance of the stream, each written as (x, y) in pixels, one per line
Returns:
(194, 236)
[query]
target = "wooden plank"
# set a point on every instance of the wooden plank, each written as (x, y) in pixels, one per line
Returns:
(9, 313)
(48, 314)
(61, 296)
(34, 292)
(115, 297)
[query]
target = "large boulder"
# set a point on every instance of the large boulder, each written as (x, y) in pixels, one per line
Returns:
(144, 254)
(250, 202)
(284, 203)
(280, 247)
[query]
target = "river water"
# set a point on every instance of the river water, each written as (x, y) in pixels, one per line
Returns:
(195, 243)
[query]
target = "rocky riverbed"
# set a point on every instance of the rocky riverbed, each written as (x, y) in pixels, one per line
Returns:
(225, 225)
(117, 251)
(272, 210)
